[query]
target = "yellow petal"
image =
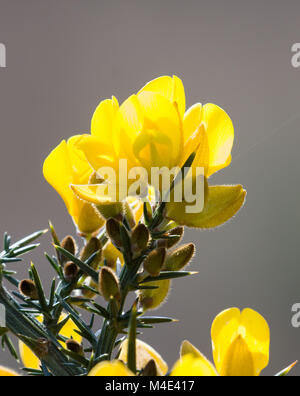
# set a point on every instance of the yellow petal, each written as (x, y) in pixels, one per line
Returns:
(220, 133)
(59, 173)
(222, 203)
(28, 357)
(192, 120)
(189, 365)
(170, 87)
(144, 353)
(219, 130)
(6, 372)
(238, 360)
(161, 138)
(238, 336)
(66, 165)
(103, 120)
(110, 369)
(111, 254)
(92, 193)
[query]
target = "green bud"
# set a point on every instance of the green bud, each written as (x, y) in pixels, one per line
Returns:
(94, 245)
(114, 210)
(70, 271)
(113, 229)
(153, 299)
(28, 288)
(154, 262)
(140, 238)
(109, 284)
(74, 347)
(179, 258)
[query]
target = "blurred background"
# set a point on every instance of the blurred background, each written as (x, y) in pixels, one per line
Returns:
(64, 56)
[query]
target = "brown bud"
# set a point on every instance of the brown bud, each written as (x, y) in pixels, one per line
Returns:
(28, 288)
(69, 244)
(94, 245)
(74, 347)
(114, 232)
(176, 234)
(109, 284)
(154, 262)
(70, 271)
(179, 258)
(153, 299)
(140, 238)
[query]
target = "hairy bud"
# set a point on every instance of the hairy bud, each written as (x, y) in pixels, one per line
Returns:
(113, 230)
(115, 211)
(28, 288)
(69, 244)
(179, 258)
(94, 245)
(74, 347)
(109, 284)
(154, 262)
(140, 238)
(70, 271)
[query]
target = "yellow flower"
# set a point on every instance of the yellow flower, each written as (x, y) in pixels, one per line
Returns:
(144, 353)
(6, 372)
(153, 129)
(67, 165)
(241, 342)
(68, 331)
(110, 369)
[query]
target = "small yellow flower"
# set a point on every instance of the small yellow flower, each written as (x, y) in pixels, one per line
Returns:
(241, 342)
(110, 369)
(6, 372)
(67, 165)
(68, 331)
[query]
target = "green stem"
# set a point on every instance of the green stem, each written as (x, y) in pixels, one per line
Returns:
(21, 324)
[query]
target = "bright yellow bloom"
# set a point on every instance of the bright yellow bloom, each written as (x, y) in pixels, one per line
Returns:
(144, 353)
(67, 165)
(153, 129)
(68, 331)
(6, 372)
(241, 342)
(110, 369)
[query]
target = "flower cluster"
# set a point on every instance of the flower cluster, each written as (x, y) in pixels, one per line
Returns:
(130, 244)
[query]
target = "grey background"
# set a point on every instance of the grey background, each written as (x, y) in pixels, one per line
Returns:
(64, 56)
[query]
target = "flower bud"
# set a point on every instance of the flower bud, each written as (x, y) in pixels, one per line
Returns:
(140, 238)
(177, 234)
(179, 258)
(152, 299)
(74, 347)
(109, 284)
(70, 271)
(114, 232)
(93, 246)
(69, 244)
(154, 262)
(28, 288)
(114, 210)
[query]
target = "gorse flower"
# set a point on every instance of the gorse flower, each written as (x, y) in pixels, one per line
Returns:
(153, 129)
(241, 342)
